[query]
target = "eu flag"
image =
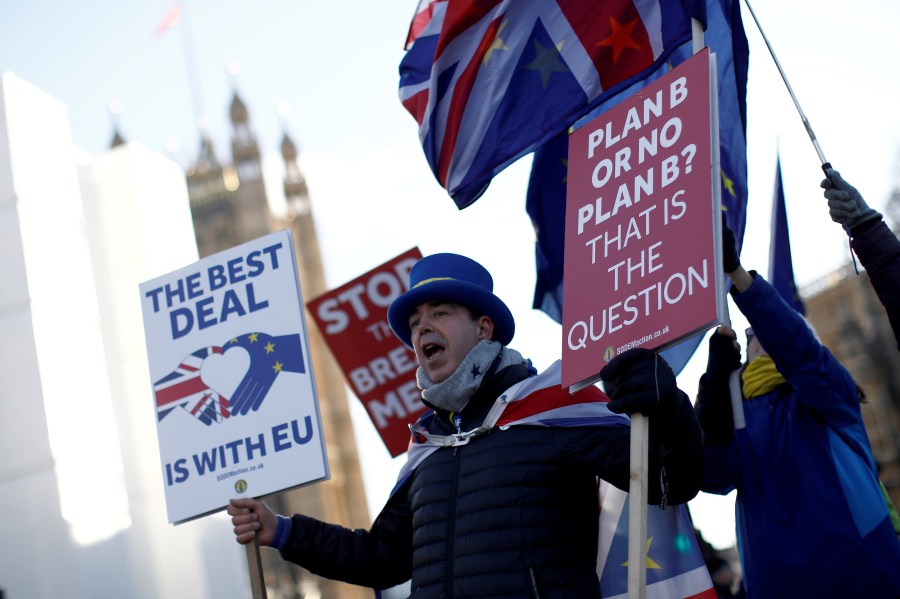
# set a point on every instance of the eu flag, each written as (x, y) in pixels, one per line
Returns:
(781, 266)
(269, 356)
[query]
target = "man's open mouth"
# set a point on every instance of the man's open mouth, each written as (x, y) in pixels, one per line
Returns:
(432, 349)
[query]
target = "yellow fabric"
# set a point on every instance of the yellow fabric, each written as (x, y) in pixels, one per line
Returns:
(895, 517)
(760, 377)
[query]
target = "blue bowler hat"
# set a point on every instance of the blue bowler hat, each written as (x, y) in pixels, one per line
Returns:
(454, 278)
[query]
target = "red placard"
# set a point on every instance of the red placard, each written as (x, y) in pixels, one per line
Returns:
(379, 368)
(641, 224)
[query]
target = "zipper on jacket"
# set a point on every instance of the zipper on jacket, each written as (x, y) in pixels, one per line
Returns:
(534, 586)
(451, 517)
(663, 478)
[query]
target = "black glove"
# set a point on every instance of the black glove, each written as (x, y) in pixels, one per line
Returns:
(641, 381)
(713, 405)
(730, 259)
(724, 356)
(845, 204)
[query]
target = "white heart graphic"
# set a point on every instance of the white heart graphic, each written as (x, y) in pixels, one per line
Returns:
(224, 372)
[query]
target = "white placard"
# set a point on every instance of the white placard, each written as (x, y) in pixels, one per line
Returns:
(234, 395)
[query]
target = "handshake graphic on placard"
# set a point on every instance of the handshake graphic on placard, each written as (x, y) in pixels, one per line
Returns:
(216, 383)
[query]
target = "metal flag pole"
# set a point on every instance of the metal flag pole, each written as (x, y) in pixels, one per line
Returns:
(812, 136)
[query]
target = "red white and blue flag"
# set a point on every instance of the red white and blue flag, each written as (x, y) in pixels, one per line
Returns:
(675, 566)
(268, 356)
(489, 81)
(184, 388)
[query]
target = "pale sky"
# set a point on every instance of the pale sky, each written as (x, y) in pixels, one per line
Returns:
(327, 72)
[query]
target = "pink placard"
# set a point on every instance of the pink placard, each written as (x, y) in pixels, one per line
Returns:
(640, 250)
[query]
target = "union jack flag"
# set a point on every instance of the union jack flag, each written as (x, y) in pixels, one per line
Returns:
(489, 81)
(184, 388)
(269, 356)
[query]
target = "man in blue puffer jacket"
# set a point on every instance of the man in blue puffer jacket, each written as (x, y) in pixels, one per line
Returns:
(486, 508)
(811, 517)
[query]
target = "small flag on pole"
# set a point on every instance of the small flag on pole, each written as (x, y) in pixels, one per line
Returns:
(781, 267)
(173, 15)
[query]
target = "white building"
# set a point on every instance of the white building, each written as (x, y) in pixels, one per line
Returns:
(81, 490)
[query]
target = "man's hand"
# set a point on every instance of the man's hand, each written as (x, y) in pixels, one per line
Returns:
(252, 519)
(724, 353)
(641, 381)
(731, 261)
(845, 204)
(713, 405)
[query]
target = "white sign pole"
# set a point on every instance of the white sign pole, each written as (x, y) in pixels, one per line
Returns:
(637, 490)
(637, 507)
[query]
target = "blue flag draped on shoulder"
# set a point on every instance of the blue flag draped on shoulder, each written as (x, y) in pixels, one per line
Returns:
(781, 266)
(546, 199)
(489, 81)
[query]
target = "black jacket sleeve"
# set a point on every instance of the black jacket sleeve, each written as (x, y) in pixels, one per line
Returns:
(676, 453)
(879, 251)
(379, 558)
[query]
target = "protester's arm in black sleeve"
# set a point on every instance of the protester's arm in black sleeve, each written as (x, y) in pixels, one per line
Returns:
(379, 558)
(872, 240)
(879, 252)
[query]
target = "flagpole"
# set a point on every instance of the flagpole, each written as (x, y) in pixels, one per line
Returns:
(812, 136)
(637, 506)
(734, 381)
(193, 73)
(734, 385)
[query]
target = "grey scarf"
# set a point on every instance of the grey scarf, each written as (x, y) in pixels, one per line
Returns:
(454, 392)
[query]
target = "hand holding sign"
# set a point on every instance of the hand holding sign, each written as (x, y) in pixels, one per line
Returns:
(731, 261)
(639, 380)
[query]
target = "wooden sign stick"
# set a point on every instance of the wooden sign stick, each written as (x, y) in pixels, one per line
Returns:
(637, 507)
(254, 562)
